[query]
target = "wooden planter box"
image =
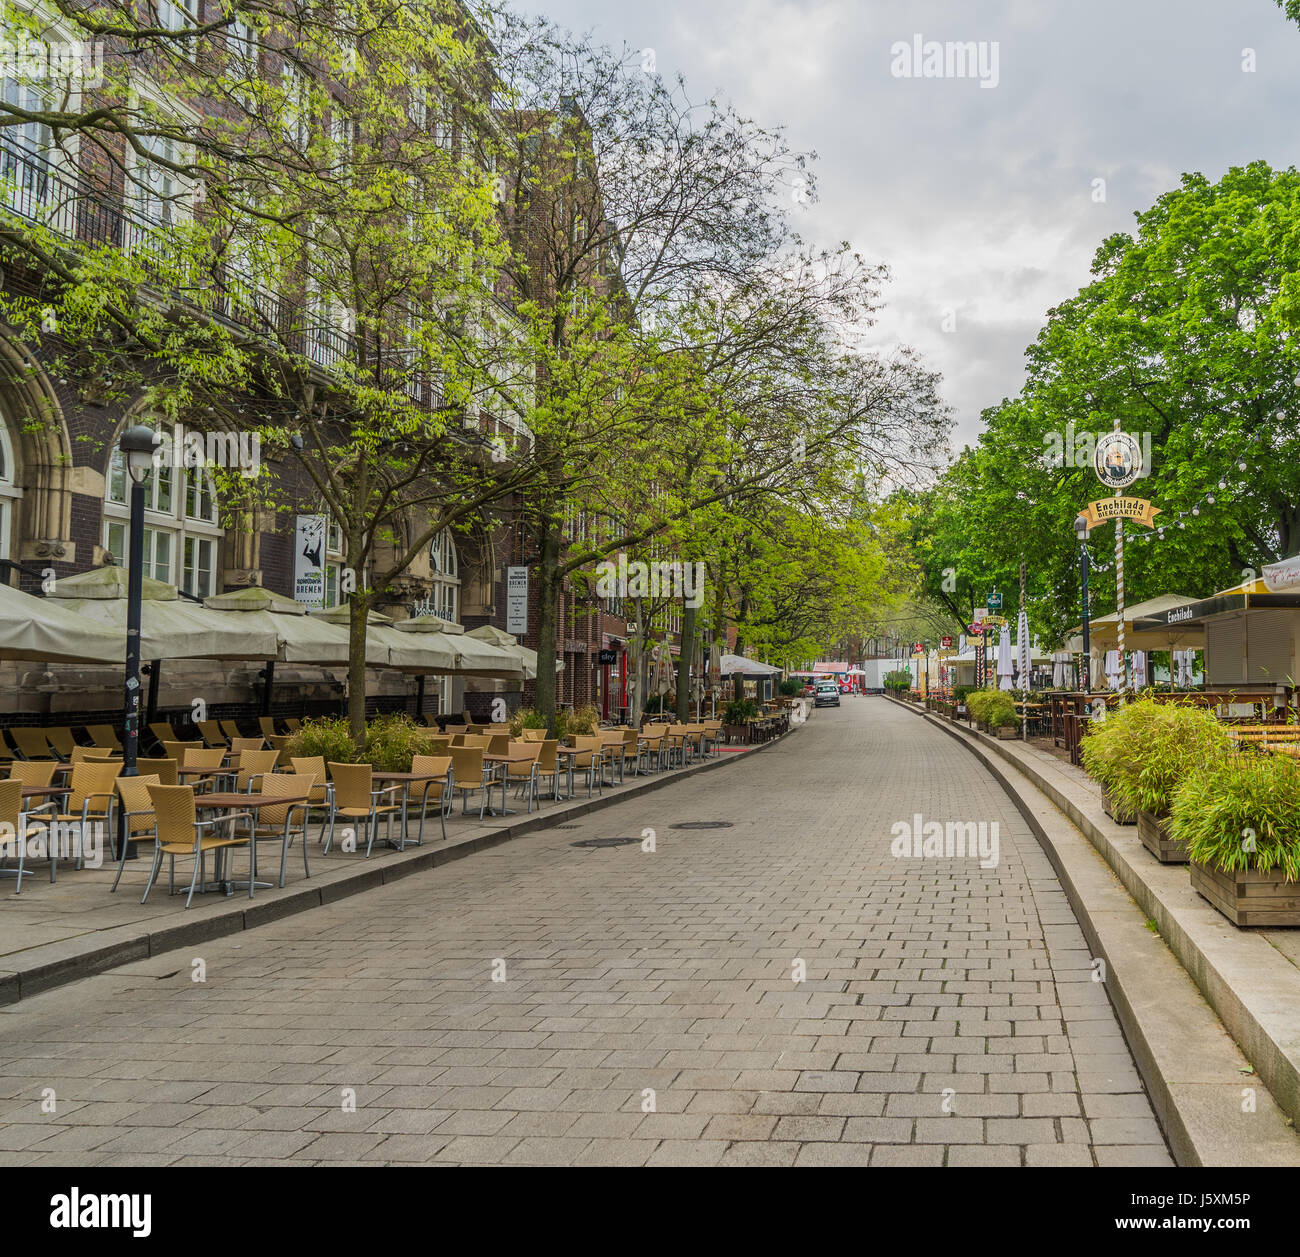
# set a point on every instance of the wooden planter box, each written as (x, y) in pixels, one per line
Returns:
(1108, 806)
(1006, 732)
(1154, 832)
(733, 732)
(1249, 897)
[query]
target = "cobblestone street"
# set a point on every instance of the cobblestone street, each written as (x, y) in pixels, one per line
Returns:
(539, 1003)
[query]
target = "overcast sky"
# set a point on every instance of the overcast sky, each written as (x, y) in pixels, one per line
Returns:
(981, 199)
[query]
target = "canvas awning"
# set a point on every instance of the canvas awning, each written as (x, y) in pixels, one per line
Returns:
(170, 626)
(406, 653)
(474, 656)
(1283, 577)
(300, 638)
(1161, 623)
(733, 665)
(40, 630)
(506, 641)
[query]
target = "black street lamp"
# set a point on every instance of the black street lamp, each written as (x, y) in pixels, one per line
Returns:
(138, 445)
(1081, 530)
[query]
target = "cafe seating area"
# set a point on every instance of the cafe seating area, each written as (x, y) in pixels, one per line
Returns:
(206, 809)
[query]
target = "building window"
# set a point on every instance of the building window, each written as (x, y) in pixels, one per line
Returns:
(10, 493)
(444, 566)
(333, 563)
(181, 532)
(175, 15)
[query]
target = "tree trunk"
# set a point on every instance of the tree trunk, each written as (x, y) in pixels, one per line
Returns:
(550, 585)
(358, 611)
(684, 665)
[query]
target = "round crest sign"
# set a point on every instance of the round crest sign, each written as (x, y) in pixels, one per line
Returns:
(1118, 460)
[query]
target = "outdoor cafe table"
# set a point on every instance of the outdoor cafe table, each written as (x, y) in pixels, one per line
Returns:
(34, 792)
(405, 780)
(234, 801)
(182, 773)
(506, 760)
(569, 753)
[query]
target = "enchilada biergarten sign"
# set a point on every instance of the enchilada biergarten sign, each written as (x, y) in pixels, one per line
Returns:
(1105, 511)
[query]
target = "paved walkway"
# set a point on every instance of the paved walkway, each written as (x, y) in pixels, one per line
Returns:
(539, 1003)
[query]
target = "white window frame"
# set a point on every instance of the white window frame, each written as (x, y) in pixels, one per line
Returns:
(10, 493)
(444, 571)
(173, 521)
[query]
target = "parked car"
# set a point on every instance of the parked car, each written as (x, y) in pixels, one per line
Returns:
(828, 694)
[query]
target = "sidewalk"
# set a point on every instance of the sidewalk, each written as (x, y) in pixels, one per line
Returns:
(54, 934)
(1180, 978)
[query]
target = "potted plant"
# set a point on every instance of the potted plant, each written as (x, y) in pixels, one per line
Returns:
(329, 738)
(1239, 818)
(994, 712)
(736, 717)
(526, 718)
(392, 742)
(1107, 748)
(1156, 747)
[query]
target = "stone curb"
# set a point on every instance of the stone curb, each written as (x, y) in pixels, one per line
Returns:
(56, 964)
(1184, 1048)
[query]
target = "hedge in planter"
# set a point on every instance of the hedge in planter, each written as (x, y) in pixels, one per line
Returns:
(1141, 753)
(993, 709)
(1240, 821)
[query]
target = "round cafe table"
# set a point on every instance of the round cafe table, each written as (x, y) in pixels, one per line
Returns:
(233, 801)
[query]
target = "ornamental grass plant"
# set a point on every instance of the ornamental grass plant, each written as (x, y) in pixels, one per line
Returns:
(1241, 812)
(1143, 751)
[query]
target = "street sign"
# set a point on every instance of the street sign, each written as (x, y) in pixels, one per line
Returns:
(1139, 510)
(918, 649)
(945, 643)
(994, 601)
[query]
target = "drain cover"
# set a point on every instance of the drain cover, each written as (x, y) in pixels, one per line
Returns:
(604, 842)
(702, 825)
(568, 827)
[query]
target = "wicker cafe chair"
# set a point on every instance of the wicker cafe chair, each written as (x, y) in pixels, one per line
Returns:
(322, 792)
(61, 739)
(276, 820)
(532, 735)
(211, 731)
(292, 723)
(548, 765)
(267, 726)
(239, 745)
(470, 774)
(231, 730)
(440, 791)
(82, 753)
(32, 773)
(105, 735)
(180, 832)
(93, 785)
(255, 769)
(590, 759)
(355, 798)
(31, 743)
(523, 775)
(15, 830)
(138, 809)
(164, 769)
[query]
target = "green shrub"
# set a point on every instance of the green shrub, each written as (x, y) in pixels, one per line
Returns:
(392, 742)
(656, 703)
(959, 692)
(898, 680)
(583, 722)
(993, 708)
(324, 736)
(790, 687)
(526, 718)
(1142, 751)
(738, 711)
(1241, 811)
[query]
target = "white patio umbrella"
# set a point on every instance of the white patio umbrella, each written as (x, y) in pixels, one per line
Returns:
(1139, 669)
(508, 642)
(170, 627)
(39, 630)
(1004, 659)
(1113, 678)
(1060, 664)
(405, 652)
(300, 638)
(474, 657)
(1023, 666)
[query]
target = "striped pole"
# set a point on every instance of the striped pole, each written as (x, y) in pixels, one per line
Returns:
(1119, 593)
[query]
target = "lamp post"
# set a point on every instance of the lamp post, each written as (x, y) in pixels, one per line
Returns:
(1081, 530)
(137, 445)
